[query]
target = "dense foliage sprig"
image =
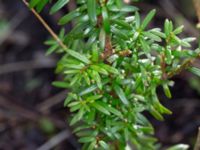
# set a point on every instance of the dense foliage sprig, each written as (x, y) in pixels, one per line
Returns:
(112, 64)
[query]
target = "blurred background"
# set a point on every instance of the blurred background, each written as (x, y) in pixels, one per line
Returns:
(31, 109)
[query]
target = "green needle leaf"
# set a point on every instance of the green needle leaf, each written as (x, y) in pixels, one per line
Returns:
(86, 139)
(41, 5)
(104, 145)
(91, 6)
(167, 90)
(101, 108)
(78, 116)
(148, 18)
(78, 56)
(106, 21)
(121, 94)
(60, 84)
(195, 71)
(58, 5)
(33, 3)
(67, 18)
(156, 114)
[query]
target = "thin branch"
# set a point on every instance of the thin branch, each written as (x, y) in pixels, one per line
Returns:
(197, 145)
(163, 67)
(108, 50)
(60, 137)
(25, 65)
(44, 106)
(48, 28)
(187, 63)
(15, 110)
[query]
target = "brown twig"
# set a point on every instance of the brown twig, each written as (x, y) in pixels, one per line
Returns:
(197, 145)
(15, 110)
(48, 28)
(108, 50)
(52, 101)
(60, 137)
(163, 67)
(187, 63)
(25, 65)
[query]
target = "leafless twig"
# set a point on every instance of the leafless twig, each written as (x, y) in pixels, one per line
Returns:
(44, 106)
(25, 65)
(47, 27)
(60, 137)
(17, 111)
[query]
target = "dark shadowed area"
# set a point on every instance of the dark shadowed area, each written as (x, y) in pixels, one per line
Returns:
(32, 115)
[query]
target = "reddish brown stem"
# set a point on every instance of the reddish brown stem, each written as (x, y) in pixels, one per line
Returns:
(163, 67)
(108, 51)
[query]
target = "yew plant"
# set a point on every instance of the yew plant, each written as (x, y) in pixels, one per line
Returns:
(112, 65)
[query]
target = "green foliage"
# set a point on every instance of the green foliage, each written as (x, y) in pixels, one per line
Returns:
(112, 66)
(195, 71)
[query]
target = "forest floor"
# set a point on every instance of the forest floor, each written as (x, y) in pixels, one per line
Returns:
(31, 109)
